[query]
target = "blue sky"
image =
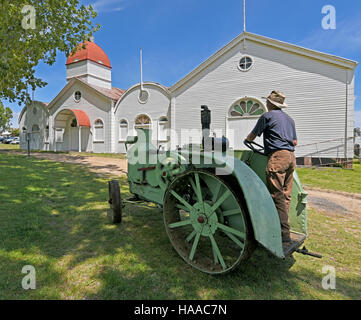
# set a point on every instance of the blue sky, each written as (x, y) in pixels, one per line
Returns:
(178, 35)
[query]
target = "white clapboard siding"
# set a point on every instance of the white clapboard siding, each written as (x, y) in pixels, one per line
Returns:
(95, 106)
(90, 72)
(129, 108)
(315, 90)
(28, 120)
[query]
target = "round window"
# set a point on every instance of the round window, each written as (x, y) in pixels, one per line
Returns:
(245, 63)
(143, 96)
(77, 96)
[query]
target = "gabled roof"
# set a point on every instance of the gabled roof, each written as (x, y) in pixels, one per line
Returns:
(324, 57)
(113, 94)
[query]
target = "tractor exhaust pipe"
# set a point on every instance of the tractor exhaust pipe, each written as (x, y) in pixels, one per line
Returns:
(206, 125)
(211, 143)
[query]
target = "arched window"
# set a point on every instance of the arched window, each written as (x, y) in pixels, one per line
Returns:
(123, 130)
(142, 121)
(98, 130)
(163, 129)
(247, 108)
(35, 128)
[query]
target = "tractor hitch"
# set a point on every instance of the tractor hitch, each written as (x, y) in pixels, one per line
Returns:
(305, 251)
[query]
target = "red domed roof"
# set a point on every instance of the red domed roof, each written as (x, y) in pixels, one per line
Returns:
(91, 52)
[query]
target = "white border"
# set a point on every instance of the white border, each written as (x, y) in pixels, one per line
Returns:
(81, 96)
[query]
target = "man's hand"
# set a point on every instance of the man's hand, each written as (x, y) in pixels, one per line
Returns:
(251, 137)
(295, 143)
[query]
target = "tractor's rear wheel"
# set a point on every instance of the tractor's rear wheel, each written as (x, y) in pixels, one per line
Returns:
(115, 202)
(206, 223)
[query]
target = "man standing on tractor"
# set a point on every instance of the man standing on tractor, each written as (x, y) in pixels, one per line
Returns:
(280, 140)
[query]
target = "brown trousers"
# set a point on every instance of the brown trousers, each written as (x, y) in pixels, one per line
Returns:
(280, 168)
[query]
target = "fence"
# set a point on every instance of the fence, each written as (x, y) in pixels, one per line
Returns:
(328, 152)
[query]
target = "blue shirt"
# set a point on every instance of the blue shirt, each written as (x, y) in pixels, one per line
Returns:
(279, 131)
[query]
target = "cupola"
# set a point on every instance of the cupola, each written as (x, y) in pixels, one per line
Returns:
(90, 64)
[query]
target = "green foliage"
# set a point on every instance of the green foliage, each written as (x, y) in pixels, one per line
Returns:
(59, 26)
(357, 132)
(5, 117)
(53, 216)
(15, 132)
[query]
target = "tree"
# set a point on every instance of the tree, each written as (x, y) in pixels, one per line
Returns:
(15, 132)
(5, 117)
(357, 132)
(36, 30)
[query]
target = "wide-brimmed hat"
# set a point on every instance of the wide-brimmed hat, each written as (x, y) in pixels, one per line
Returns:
(277, 98)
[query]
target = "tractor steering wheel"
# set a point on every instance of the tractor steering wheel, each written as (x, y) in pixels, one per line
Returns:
(251, 145)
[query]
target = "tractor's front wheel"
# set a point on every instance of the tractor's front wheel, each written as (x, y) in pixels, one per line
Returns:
(206, 223)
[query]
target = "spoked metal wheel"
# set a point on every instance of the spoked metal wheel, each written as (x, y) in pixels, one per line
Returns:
(115, 202)
(205, 222)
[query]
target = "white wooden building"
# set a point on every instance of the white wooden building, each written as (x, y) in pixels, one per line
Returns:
(319, 89)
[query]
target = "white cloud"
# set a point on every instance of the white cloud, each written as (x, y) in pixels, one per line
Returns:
(345, 39)
(358, 119)
(108, 5)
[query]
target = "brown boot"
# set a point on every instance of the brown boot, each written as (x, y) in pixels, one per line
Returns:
(286, 238)
(286, 242)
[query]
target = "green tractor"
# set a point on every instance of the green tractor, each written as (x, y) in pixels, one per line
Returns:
(216, 206)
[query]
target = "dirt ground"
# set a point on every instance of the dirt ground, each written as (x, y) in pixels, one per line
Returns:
(101, 165)
(333, 202)
(330, 202)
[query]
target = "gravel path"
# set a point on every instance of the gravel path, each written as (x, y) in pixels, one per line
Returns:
(339, 203)
(103, 166)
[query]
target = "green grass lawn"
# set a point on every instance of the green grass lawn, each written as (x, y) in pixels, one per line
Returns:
(105, 155)
(332, 178)
(53, 216)
(4, 146)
